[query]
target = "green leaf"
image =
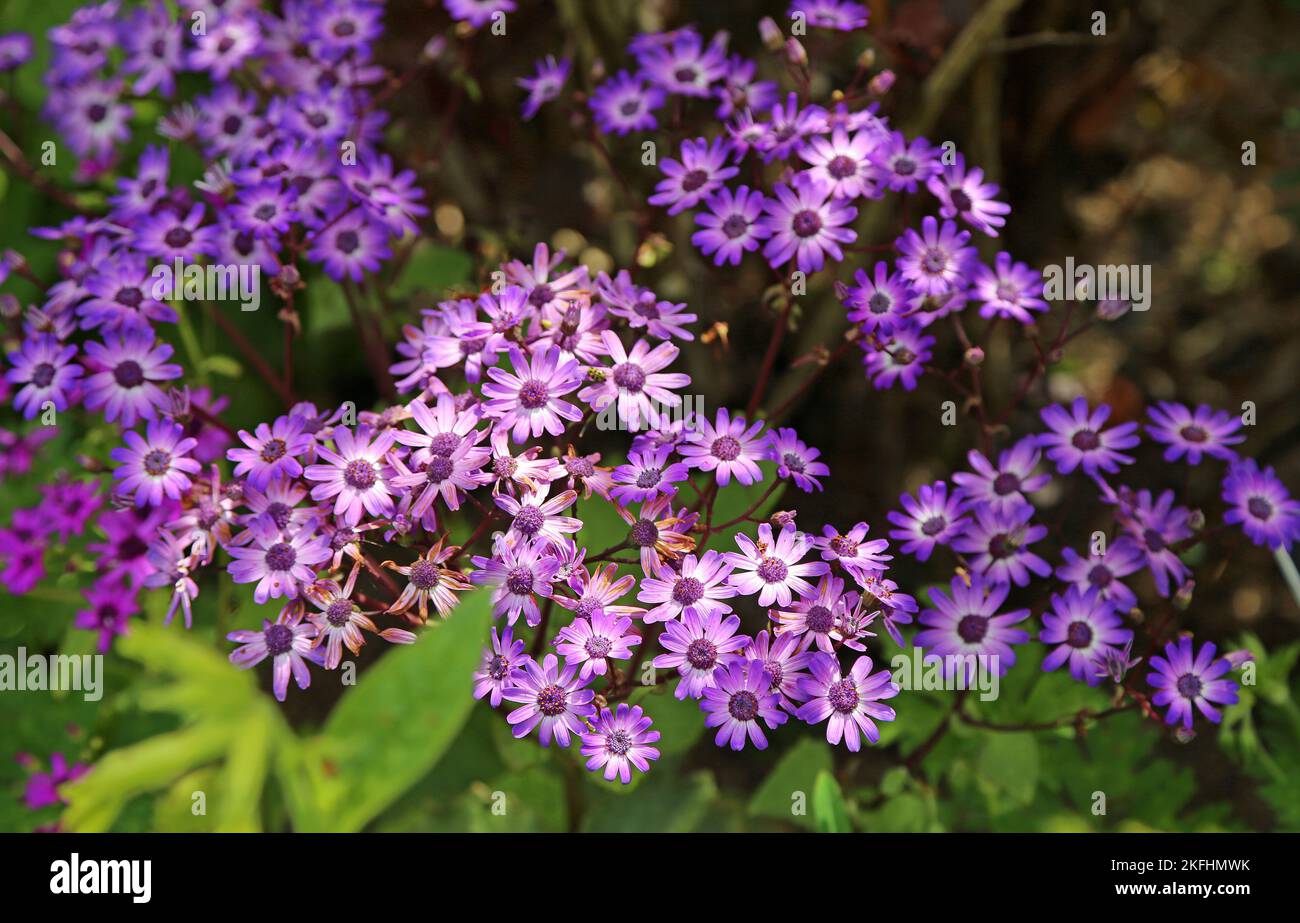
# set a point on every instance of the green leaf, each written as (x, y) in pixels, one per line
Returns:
(795, 774)
(434, 269)
(830, 813)
(393, 727)
(1008, 768)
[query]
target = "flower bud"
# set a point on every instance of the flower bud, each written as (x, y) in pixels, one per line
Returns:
(770, 33)
(1112, 309)
(795, 53)
(974, 357)
(881, 84)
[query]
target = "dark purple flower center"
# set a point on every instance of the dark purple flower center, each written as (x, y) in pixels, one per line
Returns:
(231, 124)
(843, 695)
(973, 628)
(265, 211)
(1079, 634)
(685, 75)
(793, 462)
(630, 106)
(1085, 440)
(598, 647)
(879, 303)
(776, 671)
(552, 700)
(820, 620)
(934, 525)
(1194, 433)
(534, 394)
(904, 166)
(725, 448)
(424, 575)
(1100, 575)
(693, 180)
(443, 444)
(960, 200)
(1260, 508)
(520, 581)
(648, 478)
(503, 466)
(529, 520)
(844, 547)
(1189, 685)
(347, 241)
(156, 463)
(618, 743)
(644, 533)
(279, 513)
(281, 557)
(735, 226)
(842, 167)
(360, 474)
(541, 295)
(96, 112)
(806, 223)
(629, 377)
(273, 450)
(688, 591)
(339, 612)
(934, 260)
(279, 640)
(128, 296)
(579, 466)
(743, 706)
(1153, 539)
(772, 570)
(702, 654)
(178, 237)
(128, 374)
(439, 469)
(1006, 483)
(498, 667)
(42, 375)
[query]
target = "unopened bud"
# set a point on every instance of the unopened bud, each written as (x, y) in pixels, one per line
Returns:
(795, 53)
(782, 518)
(1112, 309)
(1238, 658)
(434, 48)
(867, 59)
(770, 33)
(974, 357)
(1196, 520)
(1183, 598)
(1184, 735)
(882, 83)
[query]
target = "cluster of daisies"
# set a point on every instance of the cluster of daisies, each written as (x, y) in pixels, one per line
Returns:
(774, 174)
(343, 520)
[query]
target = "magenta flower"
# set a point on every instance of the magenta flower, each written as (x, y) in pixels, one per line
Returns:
(272, 451)
(527, 402)
(636, 383)
(774, 568)
(795, 459)
(354, 475)
(1185, 677)
(535, 518)
(112, 602)
(702, 169)
(646, 474)
(544, 85)
(967, 631)
(998, 541)
(853, 552)
(279, 562)
(807, 224)
(157, 464)
(1085, 630)
(819, 617)
(1009, 289)
(1002, 488)
(697, 645)
(44, 369)
(697, 582)
(624, 103)
(1261, 505)
(732, 226)
(128, 366)
(551, 698)
(1078, 440)
(785, 658)
(963, 194)
(725, 447)
(936, 260)
(518, 574)
(1194, 434)
(288, 641)
(619, 742)
(593, 642)
(741, 695)
(850, 702)
(499, 661)
(843, 161)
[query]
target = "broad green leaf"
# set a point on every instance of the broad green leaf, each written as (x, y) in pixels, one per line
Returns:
(786, 791)
(403, 714)
(830, 813)
(1008, 768)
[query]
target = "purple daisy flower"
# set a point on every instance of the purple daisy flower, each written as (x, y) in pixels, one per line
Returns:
(635, 382)
(725, 447)
(685, 65)
(534, 518)
(807, 224)
(843, 160)
(354, 475)
(42, 788)
(966, 626)
(1078, 440)
(1086, 631)
(527, 402)
(518, 574)
(851, 702)
(265, 210)
(44, 369)
(817, 617)
(774, 568)
(963, 194)
(544, 85)
(998, 544)
(122, 293)
(157, 464)
(902, 165)
(1194, 434)
(740, 91)
(499, 661)
(551, 698)
(15, 50)
(790, 125)
(936, 260)
(478, 13)
(112, 602)
(1009, 289)
(1102, 572)
(1004, 487)
(288, 641)
(795, 459)
(732, 226)
(619, 741)
(624, 103)
(646, 474)
(1187, 677)
(840, 15)
(857, 556)
(741, 695)
(901, 359)
(702, 169)
(227, 44)
(272, 451)
(174, 234)
(697, 645)
(349, 246)
(881, 304)
(1261, 505)
(279, 562)
(127, 366)
(933, 518)
(593, 642)
(697, 582)
(785, 657)
(1155, 526)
